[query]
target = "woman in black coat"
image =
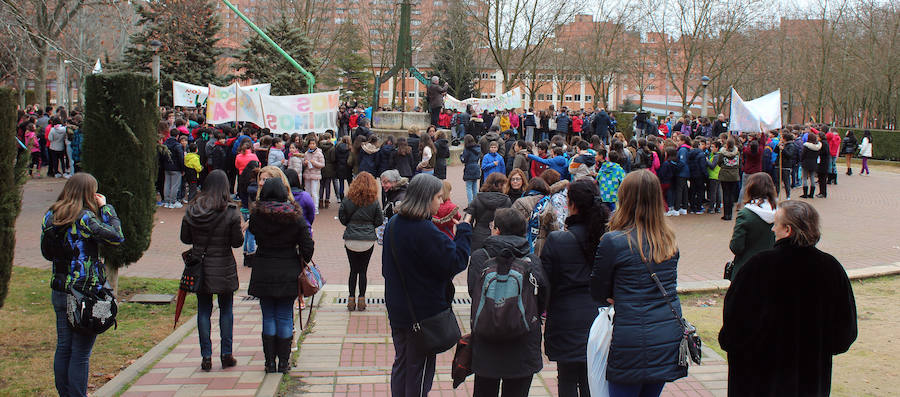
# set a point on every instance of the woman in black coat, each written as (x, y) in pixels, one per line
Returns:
(788, 311)
(442, 146)
(808, 160)
(567, 257)
(278, 224)
(488, 200)
(213, 226)
(822, 169)
(342, 168)
(386, 158)
(644, 353)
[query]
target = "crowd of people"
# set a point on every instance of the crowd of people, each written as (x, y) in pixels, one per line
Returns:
(53, 139)
(578, 214)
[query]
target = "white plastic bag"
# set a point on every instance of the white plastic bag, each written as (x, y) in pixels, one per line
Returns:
(598, 351)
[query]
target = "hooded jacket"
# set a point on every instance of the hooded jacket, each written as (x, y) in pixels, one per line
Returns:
(512, 358)
(280, 229)
(729, 173)
(609, 178)
(216, 231)
(385, 159)
(582, 167)
(175, 160)
(488, 167)
(809, 155)
(470, 157)
(368, 159)
(752, 232)
(482, 209)
(342, 169)
(329, 170)
(447, 212)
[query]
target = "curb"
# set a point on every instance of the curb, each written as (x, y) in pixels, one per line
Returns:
(149, 358)
(696, 287)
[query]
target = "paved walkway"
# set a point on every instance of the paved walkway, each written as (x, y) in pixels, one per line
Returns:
(350, 354)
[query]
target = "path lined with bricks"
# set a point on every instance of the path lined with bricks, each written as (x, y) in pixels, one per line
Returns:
(349, 354)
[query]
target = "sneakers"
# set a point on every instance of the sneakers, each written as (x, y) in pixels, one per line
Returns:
(67, 175)
(699, 212)
(682, 212)
(160, 204)
(176, 205)
(672, 213)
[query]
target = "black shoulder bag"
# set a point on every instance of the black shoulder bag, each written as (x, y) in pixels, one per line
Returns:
(432, 335)
(690, 341)
(192, 276)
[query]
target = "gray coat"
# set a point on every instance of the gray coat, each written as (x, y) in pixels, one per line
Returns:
(360, 221)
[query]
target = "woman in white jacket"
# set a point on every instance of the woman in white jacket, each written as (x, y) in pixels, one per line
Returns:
(865, 151)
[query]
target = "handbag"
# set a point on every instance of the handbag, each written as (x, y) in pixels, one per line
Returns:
(91, 313)
(690, 342)
(310, 280)
(435, 334)
(192, 276)
(462, 361)
(729, 270)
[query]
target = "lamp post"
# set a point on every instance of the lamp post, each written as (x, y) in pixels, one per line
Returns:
(784, 108)
(705, 82)
(156, 44)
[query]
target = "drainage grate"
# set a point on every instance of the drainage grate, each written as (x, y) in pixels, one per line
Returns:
(249, 298)
(380, 301)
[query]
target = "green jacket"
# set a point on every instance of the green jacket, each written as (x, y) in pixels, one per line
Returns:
(713, 166)
(360, 221)
(752, 235)
(730, 163)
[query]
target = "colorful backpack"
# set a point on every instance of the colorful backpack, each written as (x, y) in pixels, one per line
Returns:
(507, 299)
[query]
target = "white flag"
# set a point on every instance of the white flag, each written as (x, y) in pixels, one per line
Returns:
(97, 68)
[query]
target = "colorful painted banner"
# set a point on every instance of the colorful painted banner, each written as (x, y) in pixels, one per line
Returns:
(301, 113)
(508, 100)
(189, 95)
(235, 103)
(759, 115)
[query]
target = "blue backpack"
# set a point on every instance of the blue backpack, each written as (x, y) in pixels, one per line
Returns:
(507, 294)
(534, 221)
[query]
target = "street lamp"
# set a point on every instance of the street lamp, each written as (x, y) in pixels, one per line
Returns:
(784, 108)
(705, 82)
(156, 44)
(63, 89)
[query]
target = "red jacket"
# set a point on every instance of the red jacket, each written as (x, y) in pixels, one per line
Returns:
(537, 167)
(834, 143)
(444, 120)
(447, 212)
(576, 124)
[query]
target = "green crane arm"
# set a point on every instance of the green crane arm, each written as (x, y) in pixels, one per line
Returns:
(310, 79)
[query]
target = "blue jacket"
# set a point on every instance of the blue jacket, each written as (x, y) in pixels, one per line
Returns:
(469, 157)
(558, 163)
(600, 124)
(646, 335)
(697, 166)
(488, 167)
(562, 123)
(429, 261)
(684, 170)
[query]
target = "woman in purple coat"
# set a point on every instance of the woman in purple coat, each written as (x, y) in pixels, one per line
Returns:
(301, 197)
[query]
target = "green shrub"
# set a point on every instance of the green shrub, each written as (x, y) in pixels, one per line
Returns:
(625, 123)
(885, 143)
(119, 149)
(13, 160)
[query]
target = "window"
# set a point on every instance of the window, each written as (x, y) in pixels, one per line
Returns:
(650, 87)
(438, 3)
(540, 97)
(568, 98)
(523, 96)
(385, 94)
(588, 98)
(416, 22)
(493, 96)
(411, 94)
(484, 96)
(651, 75)
(484, 76)
(577, 97)
(417, 12)
(494, 76)
(339, 20)
(625, 87)
(354, 11)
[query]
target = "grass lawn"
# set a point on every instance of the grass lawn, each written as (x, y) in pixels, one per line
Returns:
(28, 326)
(870, 368)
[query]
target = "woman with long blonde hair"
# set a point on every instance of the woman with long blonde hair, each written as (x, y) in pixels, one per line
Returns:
(639, 249)
(71, 232)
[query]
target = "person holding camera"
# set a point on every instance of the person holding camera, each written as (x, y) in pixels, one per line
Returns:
(71, 232)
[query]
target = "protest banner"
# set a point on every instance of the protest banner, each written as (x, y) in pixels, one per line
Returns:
(508, 100)
(759, 115)
(301, 113)
(221, 104)
(195, 96)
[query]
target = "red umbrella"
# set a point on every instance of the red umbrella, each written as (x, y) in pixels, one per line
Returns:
(179, 303)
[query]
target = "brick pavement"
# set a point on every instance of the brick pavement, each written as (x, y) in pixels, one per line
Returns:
(350, 354)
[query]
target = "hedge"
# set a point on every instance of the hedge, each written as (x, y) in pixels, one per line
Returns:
(625, 123)
(885, 143)
(13, 160)
(119, 150)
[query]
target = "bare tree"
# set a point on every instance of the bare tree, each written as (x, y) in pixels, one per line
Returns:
(603, 52)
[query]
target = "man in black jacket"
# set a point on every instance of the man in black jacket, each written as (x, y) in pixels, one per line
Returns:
(173, 164)
(720, 126)
(600, 125)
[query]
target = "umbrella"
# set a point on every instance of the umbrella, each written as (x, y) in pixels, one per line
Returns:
(179, 304)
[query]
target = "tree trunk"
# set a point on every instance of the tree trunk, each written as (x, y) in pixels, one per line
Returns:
(112, 277)
(21, 83)
(40, 87)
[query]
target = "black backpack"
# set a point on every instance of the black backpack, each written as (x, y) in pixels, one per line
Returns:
(506, 296)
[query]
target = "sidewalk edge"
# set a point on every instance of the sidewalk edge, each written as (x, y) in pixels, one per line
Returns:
(692, 287)
(149, 358)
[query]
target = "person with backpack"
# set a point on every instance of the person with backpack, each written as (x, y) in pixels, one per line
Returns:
(509, 290)
(729, 177)
(699, 172)
(71, 232)
(486, 202)
(567, 257)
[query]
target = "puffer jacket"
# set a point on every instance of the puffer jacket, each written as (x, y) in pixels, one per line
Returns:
(368, 159)
(279, 228)
(571, 311)
(317, 159)
(442, 147)
(215, 231)
(824, 160)
(849, 145)
(342, 169)
(729, 173)
(809, 155)
(646, 335)
(330, 170)
(81, 268)
(360, 221)
(482, 209)
(385, 159)
(471, 158)
(512, 358)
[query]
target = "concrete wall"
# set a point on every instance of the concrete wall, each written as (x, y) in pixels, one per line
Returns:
(400, 120)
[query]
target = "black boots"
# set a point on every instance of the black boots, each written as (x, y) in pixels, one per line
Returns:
(206, 364)
(283, 348)
(268, 342)
(228, 361)
(812, 191)
(849, 171)
(805, 192)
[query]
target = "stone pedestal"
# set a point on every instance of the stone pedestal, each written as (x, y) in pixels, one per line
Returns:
(400, 120)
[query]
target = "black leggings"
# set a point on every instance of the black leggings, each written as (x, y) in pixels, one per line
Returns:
(729, 196)
(573, 379)
(512, 387)
(359, 263)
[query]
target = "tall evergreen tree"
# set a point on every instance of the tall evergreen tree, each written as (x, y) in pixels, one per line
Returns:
(13, 160)
(349, 69)
(260, 62)
(455, 52)
(186, 30)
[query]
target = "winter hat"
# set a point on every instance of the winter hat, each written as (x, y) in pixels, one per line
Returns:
(273, 190)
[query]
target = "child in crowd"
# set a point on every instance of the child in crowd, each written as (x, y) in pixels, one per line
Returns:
(192, 170)
(447, 213)
(276, 154)
(295, 162)
(492, 161)
(609, 178)
(714, 189)
(34, 146)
